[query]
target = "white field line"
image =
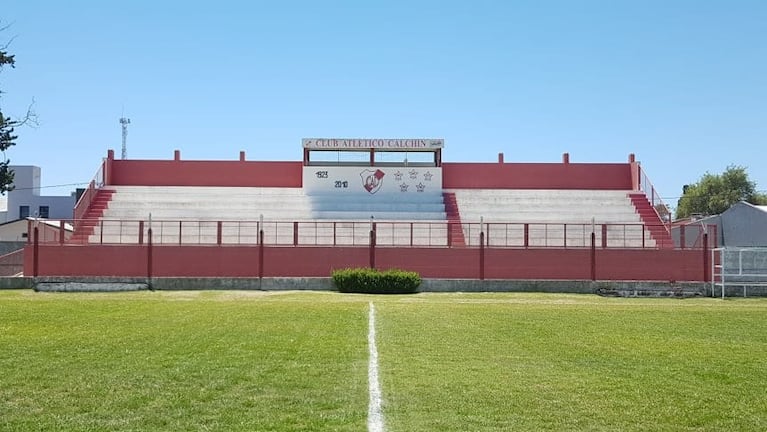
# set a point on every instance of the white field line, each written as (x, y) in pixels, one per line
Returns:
(375, 415)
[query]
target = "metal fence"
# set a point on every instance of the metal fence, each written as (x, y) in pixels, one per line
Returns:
(738, 269)
(358, 233)
(12, 264)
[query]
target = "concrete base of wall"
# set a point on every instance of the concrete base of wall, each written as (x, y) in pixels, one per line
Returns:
(16, 283)
(614, 288)
(326, 284)
(89, 287)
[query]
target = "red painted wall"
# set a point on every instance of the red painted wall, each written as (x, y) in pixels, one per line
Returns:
(312, 261)
(661, 264)
(536, 176)
(204, 173)
(619, 176)
(443, 263)
(202, 261)
(447, 263)
(86, 260)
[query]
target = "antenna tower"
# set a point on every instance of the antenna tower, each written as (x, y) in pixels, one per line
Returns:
(125, 122)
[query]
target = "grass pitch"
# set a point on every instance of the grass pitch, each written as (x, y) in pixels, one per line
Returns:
(448, 362)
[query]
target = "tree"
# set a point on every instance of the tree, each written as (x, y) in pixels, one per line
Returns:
(8, 125)
(6, 130)
(713, 193)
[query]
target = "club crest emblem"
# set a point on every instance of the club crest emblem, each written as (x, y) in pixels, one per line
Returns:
(372, 180)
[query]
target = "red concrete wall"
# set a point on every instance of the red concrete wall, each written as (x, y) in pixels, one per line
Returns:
(449, 263)
(87, 260)
(619, 176)
(203, 173)
(204, 261)
(649, 264)
(536, 176)
(312, 261)
(560, 264)
(443, 263)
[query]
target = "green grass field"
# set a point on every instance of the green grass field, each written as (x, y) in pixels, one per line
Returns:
(254, 361)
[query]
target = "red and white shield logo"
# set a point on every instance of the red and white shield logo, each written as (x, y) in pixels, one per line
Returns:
(372, 180)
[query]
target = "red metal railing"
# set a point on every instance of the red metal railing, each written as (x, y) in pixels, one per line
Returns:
(357, 233)
(655, 200)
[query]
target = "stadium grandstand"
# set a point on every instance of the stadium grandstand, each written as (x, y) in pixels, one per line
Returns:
(381, 203)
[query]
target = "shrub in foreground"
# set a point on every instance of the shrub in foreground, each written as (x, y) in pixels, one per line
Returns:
(372, 281)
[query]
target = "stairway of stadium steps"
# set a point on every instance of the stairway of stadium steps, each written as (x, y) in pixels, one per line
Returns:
(651, 220)
(84, 228)
(455, 229)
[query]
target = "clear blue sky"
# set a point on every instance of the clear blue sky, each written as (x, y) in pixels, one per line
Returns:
(682, 84)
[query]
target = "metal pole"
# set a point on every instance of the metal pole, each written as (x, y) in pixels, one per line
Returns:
(36, 252)
(593, 256)
(372, 244)
(149, 255)
(481, 255)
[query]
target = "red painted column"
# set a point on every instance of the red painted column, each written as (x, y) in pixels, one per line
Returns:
(372, 246)
(36, 253)
(260, 253)
(61, 232)
(481, 256)
(682, 235)
(295, 233)
(149, 255)
(593, 256)
(527, 236)
(140, 232)
(219, 232)
(604, 236)
(107, 167)
(706, 266)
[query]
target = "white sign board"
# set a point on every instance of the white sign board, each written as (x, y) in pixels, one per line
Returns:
(372, 180)
(374, 143)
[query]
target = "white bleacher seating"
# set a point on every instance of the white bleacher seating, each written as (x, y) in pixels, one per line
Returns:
(546, 212)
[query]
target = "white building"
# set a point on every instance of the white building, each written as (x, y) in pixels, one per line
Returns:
(25, 199)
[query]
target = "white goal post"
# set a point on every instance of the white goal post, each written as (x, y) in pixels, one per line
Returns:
(744, 267)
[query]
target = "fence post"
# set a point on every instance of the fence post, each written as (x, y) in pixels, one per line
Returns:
(683, 235)
(372, 244)
(35, 252)
(149, 256)
(527, 235)
(141, 232)
(62, 231)
(565, 235)
(604, 236)
(705, 257)
(261, 252)
(219, 232)
(449, 234)
(295, 233)
(594, 256)
(481, 255)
